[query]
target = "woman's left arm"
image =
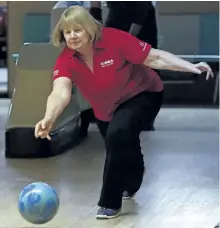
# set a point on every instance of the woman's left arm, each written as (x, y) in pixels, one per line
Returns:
(158, 59)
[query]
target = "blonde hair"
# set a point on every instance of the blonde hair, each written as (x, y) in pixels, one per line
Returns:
(74, 17)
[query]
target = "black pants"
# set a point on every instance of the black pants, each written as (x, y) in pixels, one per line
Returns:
(124, 163)
(87, 116)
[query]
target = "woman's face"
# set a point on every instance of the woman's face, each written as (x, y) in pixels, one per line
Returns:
(76, 38)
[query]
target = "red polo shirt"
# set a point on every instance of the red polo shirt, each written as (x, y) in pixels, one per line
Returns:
(118, 71)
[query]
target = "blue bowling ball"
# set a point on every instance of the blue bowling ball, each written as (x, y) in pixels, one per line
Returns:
(38, 203)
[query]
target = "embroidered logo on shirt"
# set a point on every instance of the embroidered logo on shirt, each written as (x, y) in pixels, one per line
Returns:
(107, 63)
(143, 44)
(55, 73)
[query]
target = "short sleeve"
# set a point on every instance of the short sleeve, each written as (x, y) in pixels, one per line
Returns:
(62, 68)
(132, 49)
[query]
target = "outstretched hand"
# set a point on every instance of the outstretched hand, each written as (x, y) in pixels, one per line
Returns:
(204, 67)
(42, 129)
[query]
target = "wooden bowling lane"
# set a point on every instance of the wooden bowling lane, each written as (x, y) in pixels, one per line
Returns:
(180, 189)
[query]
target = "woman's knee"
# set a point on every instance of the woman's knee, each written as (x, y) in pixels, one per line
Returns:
(119, 138)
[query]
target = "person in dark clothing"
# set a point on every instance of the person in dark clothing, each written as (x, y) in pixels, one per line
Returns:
(137, 18)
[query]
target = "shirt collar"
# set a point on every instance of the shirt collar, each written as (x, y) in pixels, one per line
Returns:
(99, 44)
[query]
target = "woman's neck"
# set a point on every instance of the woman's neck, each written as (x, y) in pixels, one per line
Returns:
(86, 51)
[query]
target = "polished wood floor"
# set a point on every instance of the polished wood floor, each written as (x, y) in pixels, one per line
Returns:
(181, 188)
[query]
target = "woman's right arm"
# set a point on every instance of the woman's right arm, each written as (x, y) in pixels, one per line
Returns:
(59, 98)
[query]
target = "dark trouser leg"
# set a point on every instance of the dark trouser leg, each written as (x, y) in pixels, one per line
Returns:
(149, 125)
(124, 161)
(103, 127)
(153, 104)
(86, 119)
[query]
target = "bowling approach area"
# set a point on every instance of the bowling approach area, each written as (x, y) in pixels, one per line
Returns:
(180, 188)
